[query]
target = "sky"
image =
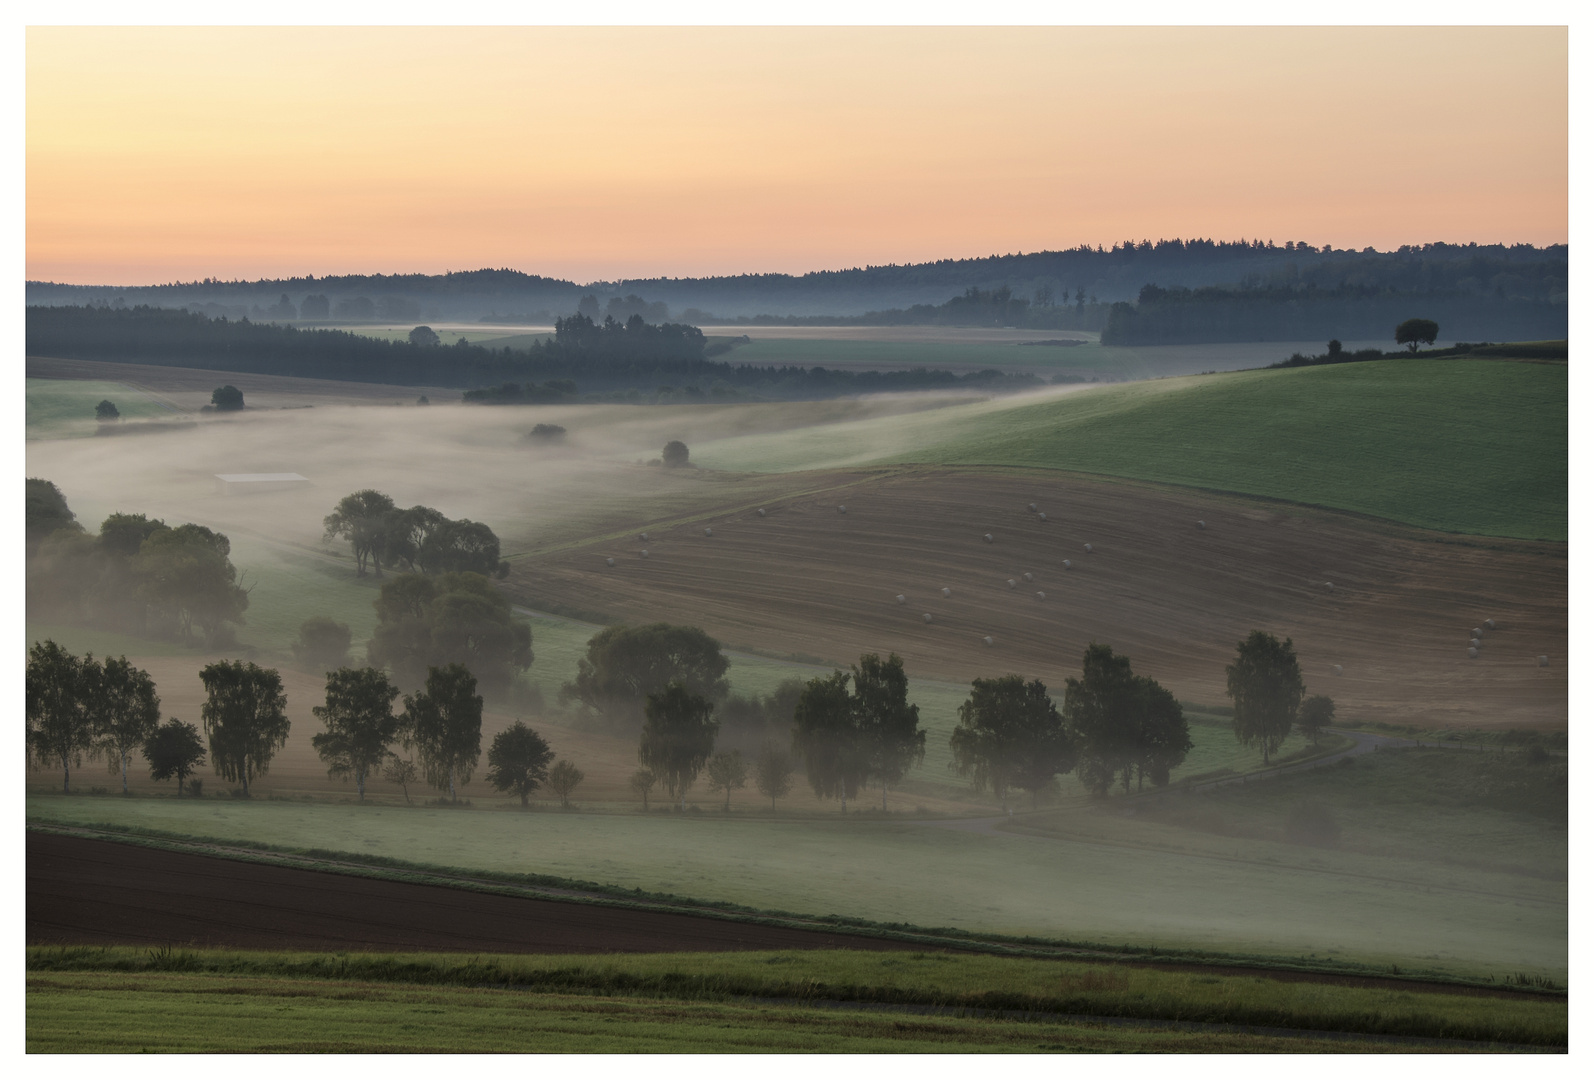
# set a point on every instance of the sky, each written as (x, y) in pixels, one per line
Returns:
(169, 153)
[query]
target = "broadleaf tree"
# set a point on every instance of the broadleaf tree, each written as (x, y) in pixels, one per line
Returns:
(1010, 735)
(59, 690)
(826, 735)
(245, 716)
(625, 664)
(888, 724)
(678, 733)
(360, 724)
(126, 712)
(1265, 685)
(727, 772)
(517, 761)
(443, 723)
(174, 750)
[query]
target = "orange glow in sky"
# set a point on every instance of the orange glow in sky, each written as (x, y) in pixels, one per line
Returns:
(166, 154)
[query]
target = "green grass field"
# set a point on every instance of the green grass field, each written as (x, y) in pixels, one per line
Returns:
(64, 409)
(1134, 872)
(225, 1001)
(1481, 446)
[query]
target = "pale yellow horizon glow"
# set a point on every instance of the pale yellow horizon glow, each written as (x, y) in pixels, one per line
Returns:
(159, 154)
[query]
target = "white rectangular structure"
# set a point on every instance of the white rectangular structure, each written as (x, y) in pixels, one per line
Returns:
(249, 483)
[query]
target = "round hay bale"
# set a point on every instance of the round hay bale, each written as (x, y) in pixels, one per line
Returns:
(708, 532)
(1041, 516)
(1088, 549)
(1068, 564)
(989, 642)
(1200, 524)
(644, 538)
(1489, 623)
(1472, 654)
(926, 616)
(1477, 631)
(1040, 595)
(1476, 643)
(1011, 584)
(1029, 577)
(1338, 670)
(1329, 585)
(1544, 661)
(901, 599)
(1032, 508)
(608, 562)
(989, 539)
(946, 592)
(841, 509)
(761, 513)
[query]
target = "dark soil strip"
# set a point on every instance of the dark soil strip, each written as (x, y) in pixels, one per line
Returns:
(92, 892)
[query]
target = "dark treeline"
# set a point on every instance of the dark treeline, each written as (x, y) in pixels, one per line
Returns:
(634, 358)
(1047, 310)
(1108, 274)
(1180, 316)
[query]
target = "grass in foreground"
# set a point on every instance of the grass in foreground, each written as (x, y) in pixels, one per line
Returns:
(220, 1000)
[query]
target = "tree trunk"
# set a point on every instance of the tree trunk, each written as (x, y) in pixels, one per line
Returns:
(452, 797)
(359, 782)
(124, 773)
(244, 776)
(66, 775)
(844, 805)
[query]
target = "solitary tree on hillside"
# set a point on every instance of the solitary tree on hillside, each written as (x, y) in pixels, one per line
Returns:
(106, 410)
(677, 737)
(424, 335)
(245, 716)
(174, 750)
(727, 772)
(1266, 687)
(772, 772)
(227, 398)
(675, 454)
(518, 761)
(126, 713)
(826, 735)
(60, 689)
(360, 725)
(1317, 712)
(444, 724)
(887, 723)
(1010, 735)
(564, 778)
(1414, 332)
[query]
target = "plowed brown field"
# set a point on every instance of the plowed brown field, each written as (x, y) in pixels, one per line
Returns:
(92, 892)
(1173, 596)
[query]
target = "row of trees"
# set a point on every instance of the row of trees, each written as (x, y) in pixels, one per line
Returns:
(136, 574)
(418, 539)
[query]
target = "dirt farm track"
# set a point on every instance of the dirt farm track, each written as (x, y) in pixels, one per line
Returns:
(1380, 614)
(94, 892)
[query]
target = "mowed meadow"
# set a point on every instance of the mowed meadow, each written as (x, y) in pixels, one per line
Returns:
(1482, 479)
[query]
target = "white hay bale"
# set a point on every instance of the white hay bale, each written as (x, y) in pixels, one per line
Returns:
(1041, 516)
(708, 532)
(946, 592)
(1329, 585)
(1011, 584)
(1544, 661)
(901, 599)
(1040, 595)
(1032, 508)
(1472, 654)
(989, 539)
(1088, 549)
(1338, 670)
(1489, 623)
(989, 642)
(644, 553)
(1200, 524)
(1477, 631)
(1068, 564)
(644, 538)
(841, 509)
(608, 562)
(1029, 577)
(926, 616)
(760, 513)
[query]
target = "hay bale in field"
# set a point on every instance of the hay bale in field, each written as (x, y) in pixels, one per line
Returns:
(946, 592)
(608, 562)
(1029, 577)
(926, 616)
(1338, 670)
(1033, 508)
(708, 532)
(901, 599)
(1011, 584)
(989, 642)
(1068, 564)
(760, 512)
(1472, 654)
(1477, 631)
(1489, 623)
(1041, 516)
(644, 538)
(644, 553)
(1039, 595)
(1476, 643)
(989, 539)
(841, 509)
(1088, 549)
(1200, 524)
(1544, 661)
(1329, 585)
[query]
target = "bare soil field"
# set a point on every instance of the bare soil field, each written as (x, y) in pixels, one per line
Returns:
(1388, 640)
(189, 389)
(93, 892)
